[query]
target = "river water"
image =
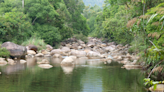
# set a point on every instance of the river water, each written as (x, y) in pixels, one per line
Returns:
(81, 78)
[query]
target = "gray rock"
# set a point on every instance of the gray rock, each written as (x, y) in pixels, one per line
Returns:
(15, 50)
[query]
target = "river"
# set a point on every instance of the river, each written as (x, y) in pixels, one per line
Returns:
(79, 78)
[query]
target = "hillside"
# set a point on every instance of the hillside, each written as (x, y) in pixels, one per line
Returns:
(94, 2)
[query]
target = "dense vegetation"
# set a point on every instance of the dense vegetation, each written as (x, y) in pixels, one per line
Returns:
(51, 20)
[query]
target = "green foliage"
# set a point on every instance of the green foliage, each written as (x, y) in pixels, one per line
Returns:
(4, 53)
(15, 26)
(50, 34)
(81, 37)
(35, 40)
(91, 13)
(78, 21)
(153, 83)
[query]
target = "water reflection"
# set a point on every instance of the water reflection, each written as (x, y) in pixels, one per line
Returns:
(67, 69)
(10, 69)
(81, 78)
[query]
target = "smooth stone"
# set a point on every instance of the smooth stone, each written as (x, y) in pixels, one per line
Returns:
(45, 66)
(31, 52)
(23, 61)
(11, 61)
(39, 55)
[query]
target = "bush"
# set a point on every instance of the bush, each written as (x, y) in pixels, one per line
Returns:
(35, 40)
(81, 37)
(4, 53)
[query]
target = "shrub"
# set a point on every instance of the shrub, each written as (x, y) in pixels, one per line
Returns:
(81, 37)
(35, 40)
(4, 52)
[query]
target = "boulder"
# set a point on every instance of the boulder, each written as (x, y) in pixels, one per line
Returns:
(68, 45)
(87, 50)
(78, 53)
(44, 52)
(103, 45)
(56, 51)
(32, 47)
(80, 47)
(80, 42)
(15, 50)
(45, 66)
(128, 67)
(22, 61)
(110, 48)
(83, 45)
(68, 61)
(159, 88)
(31, 52)
(56, 56)
(39, 55)
(49, 48)
(66, 49)
(91, 45)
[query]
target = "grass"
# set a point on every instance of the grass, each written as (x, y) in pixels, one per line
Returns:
(35, 41)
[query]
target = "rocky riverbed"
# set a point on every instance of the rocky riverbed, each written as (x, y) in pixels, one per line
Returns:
(76, 52)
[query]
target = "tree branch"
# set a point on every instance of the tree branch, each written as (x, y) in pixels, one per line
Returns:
(34, 21)
(154, 68)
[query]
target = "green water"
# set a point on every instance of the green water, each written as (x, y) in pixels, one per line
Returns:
(81, 78)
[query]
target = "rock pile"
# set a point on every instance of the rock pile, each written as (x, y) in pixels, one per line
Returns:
(73, 49)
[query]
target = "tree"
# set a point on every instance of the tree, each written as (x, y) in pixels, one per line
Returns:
(15, 26)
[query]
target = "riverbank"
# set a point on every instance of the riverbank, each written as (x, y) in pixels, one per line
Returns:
(94, 51)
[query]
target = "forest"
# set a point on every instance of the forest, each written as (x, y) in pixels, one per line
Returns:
(138, 23)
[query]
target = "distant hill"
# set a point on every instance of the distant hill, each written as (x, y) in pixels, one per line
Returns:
(94, 2)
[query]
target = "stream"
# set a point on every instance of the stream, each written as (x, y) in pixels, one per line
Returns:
(29, 77)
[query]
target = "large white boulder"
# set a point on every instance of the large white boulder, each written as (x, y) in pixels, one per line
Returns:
(45, 66)
(67, 61)
(31, 52)
(22, 61)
